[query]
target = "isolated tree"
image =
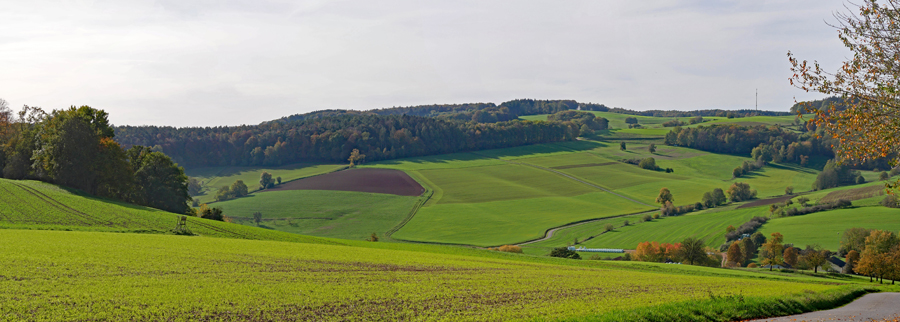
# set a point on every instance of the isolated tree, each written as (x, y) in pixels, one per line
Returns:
(194, 187)
(265, 180)
(652, 148)
(883, 176)
(814, 256)
(693, 250)
(734, 254)
(161, 183)
(737, 172)
(867, 123)
(665, 196)
(803, 201)
(719, 196)
(224, 193)
(708, 201)
(631, 120)
(622, 146)
(239, 189)
(730, 228)
(774, 251)
(257, 217)
(789, 190)
(373, 237)
(278, 179)
(355, 157)
(609, 227)
(740, 191)
(791, 256)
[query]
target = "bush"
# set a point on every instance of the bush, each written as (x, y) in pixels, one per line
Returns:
(860, 180)
(655, 216)
(890, 201)
(647, 218)
(564, 252)
(789, 190)
(883, 176)
(648, 163)
(609, 227)
(212, 213)
(622, 146)
(508, 249)
(842, 203)
(752, 265)
(631, 120)
(895, 171)
(673, 123)
(696, 120)
(626, 223)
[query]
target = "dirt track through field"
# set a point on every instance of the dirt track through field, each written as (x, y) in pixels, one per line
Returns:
(388, 181)
(870, 307)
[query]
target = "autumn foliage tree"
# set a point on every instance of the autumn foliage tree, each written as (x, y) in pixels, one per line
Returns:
(734, 255)
(774, 251)
(876, 260)
(867, 124)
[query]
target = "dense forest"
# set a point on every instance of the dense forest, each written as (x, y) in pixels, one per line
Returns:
(331, 139)
(822, 105)
(75, 148)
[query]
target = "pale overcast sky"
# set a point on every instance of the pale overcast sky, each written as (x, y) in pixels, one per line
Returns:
(207, 63)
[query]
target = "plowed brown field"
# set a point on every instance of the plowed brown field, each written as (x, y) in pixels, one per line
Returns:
(388, 181)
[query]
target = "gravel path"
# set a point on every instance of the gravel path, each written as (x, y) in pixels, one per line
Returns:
(870, 307)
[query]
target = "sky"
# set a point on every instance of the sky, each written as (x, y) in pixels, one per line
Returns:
(230, 62)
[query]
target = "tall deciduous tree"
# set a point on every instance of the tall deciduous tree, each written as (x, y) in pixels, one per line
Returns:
(665, 196)
(160, 182)
(734, 254)
(693, 250)
(867, 124)
(791, 256)
(774, 251)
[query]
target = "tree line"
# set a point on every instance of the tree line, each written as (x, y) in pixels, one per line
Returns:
(332, 139)
(75, 147)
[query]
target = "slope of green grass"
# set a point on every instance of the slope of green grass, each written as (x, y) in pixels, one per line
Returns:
(65, 276)
(340, 214)
(214, 178)
(509, 221)
(708, 225)
(38, 205)
(826, 228)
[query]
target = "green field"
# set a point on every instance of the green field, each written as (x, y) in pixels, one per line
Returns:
(38, 205)
(214, 178)
(339, 214)
(830, 225)
(508, 196)
(68, 276)
(708, 225)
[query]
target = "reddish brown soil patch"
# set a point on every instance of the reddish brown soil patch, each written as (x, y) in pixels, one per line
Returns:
(583, 165)
(388, 181)
(764, 202)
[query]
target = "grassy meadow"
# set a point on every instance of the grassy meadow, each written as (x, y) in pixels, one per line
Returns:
(338, 214)
(830, 225)
(38, 205)
(73, 276)
(214, 178)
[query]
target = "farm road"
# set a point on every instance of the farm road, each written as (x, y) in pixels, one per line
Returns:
(549, 233)
(870, 307)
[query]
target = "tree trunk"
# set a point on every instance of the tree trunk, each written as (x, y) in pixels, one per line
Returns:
(815, 269)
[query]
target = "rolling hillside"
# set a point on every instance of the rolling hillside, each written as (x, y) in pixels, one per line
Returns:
(38, 205)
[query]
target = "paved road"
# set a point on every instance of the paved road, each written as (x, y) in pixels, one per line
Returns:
(870, 307)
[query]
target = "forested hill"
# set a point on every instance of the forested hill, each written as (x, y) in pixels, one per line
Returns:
(332, 139)
(475, 112)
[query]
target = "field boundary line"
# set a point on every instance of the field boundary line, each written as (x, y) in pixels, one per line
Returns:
(412, 213)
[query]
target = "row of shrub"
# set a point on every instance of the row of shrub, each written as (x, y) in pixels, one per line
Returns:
(646, 163)
(790, 212)
(746, 228)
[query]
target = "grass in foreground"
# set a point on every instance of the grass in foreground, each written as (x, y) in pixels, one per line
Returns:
(51, 275)
(339, 214)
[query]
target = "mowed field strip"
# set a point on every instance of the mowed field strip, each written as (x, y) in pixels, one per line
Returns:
(76, 276)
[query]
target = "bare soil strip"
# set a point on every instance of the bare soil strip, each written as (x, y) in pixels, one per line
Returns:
(870, 307)
(388, 181)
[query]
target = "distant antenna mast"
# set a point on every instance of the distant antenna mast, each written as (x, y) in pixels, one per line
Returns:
(757, 101)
